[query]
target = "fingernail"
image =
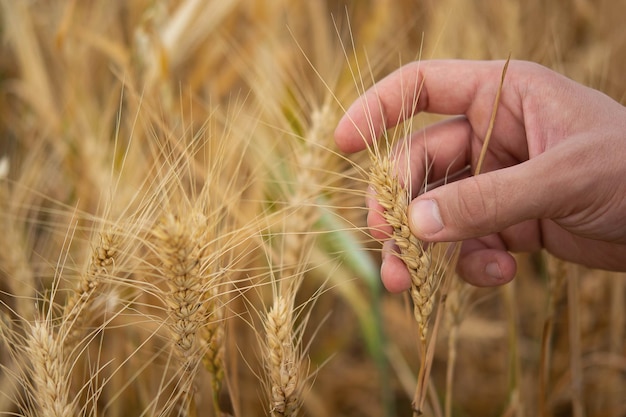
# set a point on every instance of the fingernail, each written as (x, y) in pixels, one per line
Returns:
(425, 217)
(493, 270)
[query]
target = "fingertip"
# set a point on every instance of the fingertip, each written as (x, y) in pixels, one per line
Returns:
(342, 135)
(394, 274)
(378, 226)
(487, 268)
(425, 218)
(348, 137)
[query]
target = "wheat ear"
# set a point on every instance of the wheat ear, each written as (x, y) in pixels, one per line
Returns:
(425, 276)
(283, 360)
(76, 311)
(394, 199)
(283, 355)
(50, 372)
(180, 245)
(426, 273)
(212, 342)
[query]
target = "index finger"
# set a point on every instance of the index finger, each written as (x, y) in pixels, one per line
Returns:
(449, 87)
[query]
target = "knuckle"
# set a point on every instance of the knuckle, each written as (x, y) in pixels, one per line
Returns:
(476, 210)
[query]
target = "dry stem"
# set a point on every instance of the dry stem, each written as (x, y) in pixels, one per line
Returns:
(576, 367)
(457, 308)
(557, 273)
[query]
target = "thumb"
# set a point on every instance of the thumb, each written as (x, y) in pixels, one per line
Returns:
(484, 204)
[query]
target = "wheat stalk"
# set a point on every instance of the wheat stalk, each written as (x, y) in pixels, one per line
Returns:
(457, 308)
(557, 274)
(426, 271)
(294, 241)
(576, 351)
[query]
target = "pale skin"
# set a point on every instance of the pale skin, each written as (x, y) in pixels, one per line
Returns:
(554, 176)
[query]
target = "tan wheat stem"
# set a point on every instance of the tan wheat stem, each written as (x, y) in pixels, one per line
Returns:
(446, 271)
(492, 119)
(457, 307)
(576, 353)
(515, 405)
(557, 273)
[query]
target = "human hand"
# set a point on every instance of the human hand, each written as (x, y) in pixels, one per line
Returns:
(554, 173)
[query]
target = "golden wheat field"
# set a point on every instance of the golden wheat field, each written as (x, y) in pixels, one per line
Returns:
(180, 235)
